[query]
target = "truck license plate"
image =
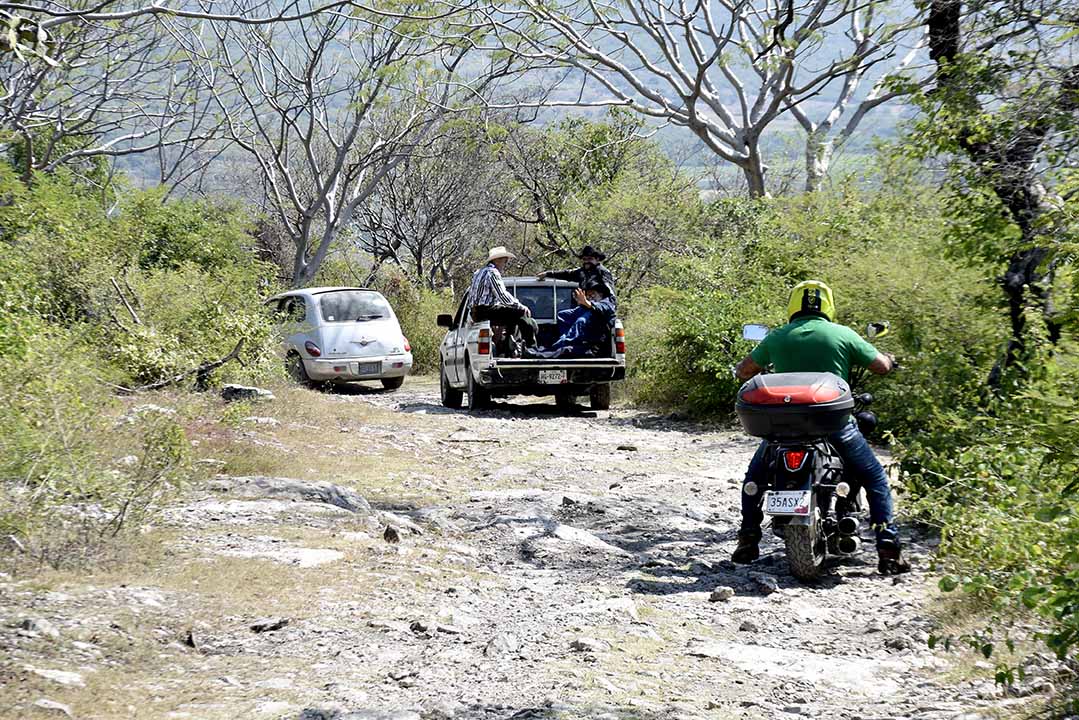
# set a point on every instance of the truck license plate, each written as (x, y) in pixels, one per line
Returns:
(787, 502)
(552, 377)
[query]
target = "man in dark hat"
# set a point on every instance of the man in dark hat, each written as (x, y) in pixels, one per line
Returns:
(591, 270)
(586, 326)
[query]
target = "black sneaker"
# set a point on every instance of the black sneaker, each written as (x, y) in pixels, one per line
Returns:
(748, 548)
(890, 559)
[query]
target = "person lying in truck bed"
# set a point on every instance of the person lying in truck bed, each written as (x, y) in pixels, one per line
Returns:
(583, 328)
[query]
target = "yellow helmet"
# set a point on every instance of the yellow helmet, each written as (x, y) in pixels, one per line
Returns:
(811, 296)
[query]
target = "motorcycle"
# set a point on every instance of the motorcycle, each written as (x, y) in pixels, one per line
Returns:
(813, 503)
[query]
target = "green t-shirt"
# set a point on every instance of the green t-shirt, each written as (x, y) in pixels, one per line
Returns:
(813, 344)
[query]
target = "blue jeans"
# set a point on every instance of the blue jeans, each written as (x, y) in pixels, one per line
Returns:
(858, 457)
(575, 329)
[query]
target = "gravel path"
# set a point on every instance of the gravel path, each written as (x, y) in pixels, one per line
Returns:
(542, 565)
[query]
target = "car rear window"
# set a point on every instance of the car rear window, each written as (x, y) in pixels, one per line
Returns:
(539, 300)
(353, 306)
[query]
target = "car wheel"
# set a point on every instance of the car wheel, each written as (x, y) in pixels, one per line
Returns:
(295, 368)
(451, 397)
(478, 398)
(393, 383)
(599, 397)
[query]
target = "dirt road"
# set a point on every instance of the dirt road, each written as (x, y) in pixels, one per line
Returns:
(517, 563)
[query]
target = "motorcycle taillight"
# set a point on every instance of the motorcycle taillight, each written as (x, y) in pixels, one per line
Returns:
(793, 459)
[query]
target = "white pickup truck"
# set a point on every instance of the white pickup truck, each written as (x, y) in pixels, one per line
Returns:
(470, 361)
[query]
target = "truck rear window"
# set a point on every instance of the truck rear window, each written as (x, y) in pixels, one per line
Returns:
(540, 300)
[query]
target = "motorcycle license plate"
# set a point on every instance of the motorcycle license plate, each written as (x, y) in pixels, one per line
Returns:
(787, 502)
(552, 377)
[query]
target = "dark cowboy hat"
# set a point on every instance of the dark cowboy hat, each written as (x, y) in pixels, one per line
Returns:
(598, 285)
(589, 251)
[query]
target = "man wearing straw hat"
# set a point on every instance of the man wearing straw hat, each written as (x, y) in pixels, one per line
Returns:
(491, 301)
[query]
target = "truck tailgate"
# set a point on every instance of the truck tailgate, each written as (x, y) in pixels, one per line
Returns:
(556, 364)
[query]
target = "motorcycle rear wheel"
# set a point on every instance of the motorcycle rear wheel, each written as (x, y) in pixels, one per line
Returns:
(806, 548)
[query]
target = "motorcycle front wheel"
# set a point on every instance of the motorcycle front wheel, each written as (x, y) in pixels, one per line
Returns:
(806, 548)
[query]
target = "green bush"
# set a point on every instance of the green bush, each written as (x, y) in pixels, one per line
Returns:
(71, 475)
(416, 309)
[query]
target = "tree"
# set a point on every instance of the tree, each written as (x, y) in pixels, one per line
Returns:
(723, 69)
(1005, 106)
(96, 90)
(431, 211)
(326, 106)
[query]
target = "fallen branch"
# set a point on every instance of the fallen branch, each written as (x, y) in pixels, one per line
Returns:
(201, 372)
(469, 440)
(123, 299)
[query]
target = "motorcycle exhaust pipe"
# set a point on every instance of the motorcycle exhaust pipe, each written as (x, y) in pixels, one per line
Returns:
(848, 544)
(848, 525)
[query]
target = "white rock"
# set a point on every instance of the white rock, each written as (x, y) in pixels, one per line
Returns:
(721, 593)
(63, 677)
(586, 644)
(46, 704)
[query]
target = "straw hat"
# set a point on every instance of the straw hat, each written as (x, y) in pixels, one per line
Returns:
(499, 252)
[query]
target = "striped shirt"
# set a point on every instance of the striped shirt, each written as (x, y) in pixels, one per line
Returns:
(488, 289)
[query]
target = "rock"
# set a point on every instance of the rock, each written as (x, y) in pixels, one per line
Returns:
(721, 593)
(875, 626)
(234, 393)
(135, 414)
(269, 624)
(628, 448)
(319, 714)
(267, 421)
(41, 627)
(53, 706)
(502, 644)
(62, 677)
(586, 644)
(899, 642)
(400, 522)
(448, 629)
(392, 534)
(258, 486)
(749, 626)
(420, 627)
(766, 583)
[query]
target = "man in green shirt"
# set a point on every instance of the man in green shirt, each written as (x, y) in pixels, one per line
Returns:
(811, 342)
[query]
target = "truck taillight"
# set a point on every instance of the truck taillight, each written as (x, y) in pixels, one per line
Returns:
(408, 345)
(484, 347)
(312, 349)
(620, 341)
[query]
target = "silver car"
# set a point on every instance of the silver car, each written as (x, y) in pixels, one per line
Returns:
(341, 334)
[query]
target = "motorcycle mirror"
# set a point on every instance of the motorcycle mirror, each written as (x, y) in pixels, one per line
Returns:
(877, 329)
(754, 332)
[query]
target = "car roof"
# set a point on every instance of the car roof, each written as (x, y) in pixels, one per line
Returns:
(312, 291)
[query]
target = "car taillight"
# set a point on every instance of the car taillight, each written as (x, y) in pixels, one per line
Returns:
(408, 346)
(484, 347)
(312, 349)
(793, 459)
(620, 341)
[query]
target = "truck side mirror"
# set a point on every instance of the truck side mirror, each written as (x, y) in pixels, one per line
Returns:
(444, 320)
(754, 333)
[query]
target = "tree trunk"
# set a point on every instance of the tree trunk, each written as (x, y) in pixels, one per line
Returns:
(818, 157)
(753, 168)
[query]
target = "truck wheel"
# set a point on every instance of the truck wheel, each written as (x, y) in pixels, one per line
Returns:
(393, 383)
(478, 398)
(806, 548)
(451, 398)
(599, 397)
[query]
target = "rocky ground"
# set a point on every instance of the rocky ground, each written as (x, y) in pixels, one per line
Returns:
(516, 563)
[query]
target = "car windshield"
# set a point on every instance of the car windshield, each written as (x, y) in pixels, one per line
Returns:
(353, 306)
(539, 300)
